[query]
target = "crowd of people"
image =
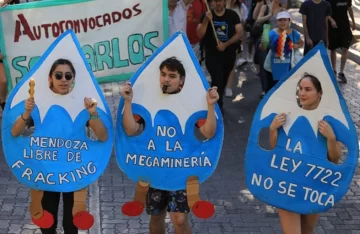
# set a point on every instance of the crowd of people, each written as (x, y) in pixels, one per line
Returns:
(225, 34)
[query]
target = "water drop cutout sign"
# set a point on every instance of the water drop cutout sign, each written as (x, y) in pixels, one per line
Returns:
(58, 155)
(297, 174)
(167, 155)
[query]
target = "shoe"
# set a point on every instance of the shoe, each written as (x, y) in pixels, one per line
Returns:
(341, 77)
(241, 62)
(83, 220)
(228, 92)
(249, 59)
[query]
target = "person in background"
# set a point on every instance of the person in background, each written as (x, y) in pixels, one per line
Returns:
(283, 42)
(341, 36)
(267, 15)
(220, 48)
(239, 7)
(315, 17)
(196, 9)
(178, 15)
(3, 81)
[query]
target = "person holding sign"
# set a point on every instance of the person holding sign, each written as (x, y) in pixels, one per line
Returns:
(44, 204)
(285, 43)
(178, 203)
(310, 92)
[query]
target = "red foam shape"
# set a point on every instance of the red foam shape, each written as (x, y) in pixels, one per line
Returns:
(203, 209)
(46, 220)
(133, 208)
(83, 220)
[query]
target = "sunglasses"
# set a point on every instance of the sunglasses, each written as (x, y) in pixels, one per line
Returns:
(59, 75)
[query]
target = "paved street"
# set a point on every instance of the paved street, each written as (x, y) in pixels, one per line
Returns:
(236, 209)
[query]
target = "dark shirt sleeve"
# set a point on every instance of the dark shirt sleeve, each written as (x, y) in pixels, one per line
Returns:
(328, 9)
(236, 18)
(349, 3)
(202, 17)
(303, 9)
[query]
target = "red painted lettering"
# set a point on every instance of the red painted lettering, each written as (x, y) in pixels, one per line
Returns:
(84, 23)
(116, 16)
(27, 31)
(107, 19)
(46, 29)
(92, 23)
(136, 9)
(97, 21)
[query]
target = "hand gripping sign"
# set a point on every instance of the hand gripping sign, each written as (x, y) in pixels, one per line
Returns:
(58, 156)
(297, 175)
(167, 155)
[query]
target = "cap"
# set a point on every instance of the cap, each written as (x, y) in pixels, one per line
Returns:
(283, 15)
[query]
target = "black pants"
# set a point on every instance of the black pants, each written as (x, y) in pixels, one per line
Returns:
(50, 202)
(220, 65)
(266, 78)
(308, 48)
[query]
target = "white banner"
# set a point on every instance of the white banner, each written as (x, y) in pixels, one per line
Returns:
(117, 36)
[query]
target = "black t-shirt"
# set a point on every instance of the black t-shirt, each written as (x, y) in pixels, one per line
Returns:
(340, 13)
(316, 14)
(225, 28)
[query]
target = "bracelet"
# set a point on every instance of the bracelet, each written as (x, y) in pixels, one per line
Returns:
(94, 116)
(23, 118)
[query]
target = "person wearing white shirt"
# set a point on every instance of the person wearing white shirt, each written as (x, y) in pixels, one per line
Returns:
(177, 15)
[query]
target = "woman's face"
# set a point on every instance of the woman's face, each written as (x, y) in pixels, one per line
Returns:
(283, 23)
(308, 95)
(61, 79)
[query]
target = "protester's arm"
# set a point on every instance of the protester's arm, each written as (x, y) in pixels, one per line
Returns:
(20, 123)
(204, 22)
(278, 121)
(5, 2)
(95, 122)
(333, 146)
(257, 10)
(300, 42)
(351, 13)
(209, 128)
(236, 37)
(129, 123)
(186, 2)
(262, 17)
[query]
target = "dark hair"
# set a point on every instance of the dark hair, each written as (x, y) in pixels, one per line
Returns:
(173, 64)
(62, 62)
(315, 81)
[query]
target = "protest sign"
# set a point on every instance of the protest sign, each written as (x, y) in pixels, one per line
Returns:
(297, 174)
(116, 36)
(167, 152)
(58, 155)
